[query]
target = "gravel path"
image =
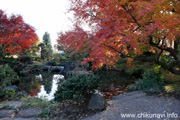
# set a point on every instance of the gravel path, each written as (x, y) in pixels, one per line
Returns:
(139, 106)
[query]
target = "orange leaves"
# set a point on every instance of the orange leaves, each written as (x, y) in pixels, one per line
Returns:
(15, 34)
(121, 27)
(128, 62)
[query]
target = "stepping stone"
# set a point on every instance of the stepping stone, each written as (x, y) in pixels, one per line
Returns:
(28, 113)
(7, 113)
(21, 119)
(15, 104)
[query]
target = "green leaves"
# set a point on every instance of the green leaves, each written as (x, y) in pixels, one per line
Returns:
(151, 79)
(77, 87)
(7, 77)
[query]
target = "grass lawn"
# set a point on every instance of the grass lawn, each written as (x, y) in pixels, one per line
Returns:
(172, 82)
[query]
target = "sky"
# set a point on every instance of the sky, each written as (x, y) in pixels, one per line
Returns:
(44, 15)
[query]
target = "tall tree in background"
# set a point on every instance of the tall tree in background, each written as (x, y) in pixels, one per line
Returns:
(15, 35)
(46, 47)
(126, 28)
(47, 40)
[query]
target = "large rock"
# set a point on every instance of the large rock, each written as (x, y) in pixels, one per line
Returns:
(97, 102)
(7, 113)
(14, 104)
(46, 68)
(57, 68)
(12, 87)
(28, 113)
(68, 67)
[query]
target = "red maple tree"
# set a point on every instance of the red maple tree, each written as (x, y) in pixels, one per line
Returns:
(15, 34)
(125, 28)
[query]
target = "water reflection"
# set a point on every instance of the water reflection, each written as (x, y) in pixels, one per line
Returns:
(48, 89)
(43, 85)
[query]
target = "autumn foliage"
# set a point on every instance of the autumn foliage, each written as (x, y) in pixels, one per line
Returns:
(15, 34)
(125, 28)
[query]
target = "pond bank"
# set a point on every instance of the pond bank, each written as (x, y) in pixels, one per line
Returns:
(136, 103)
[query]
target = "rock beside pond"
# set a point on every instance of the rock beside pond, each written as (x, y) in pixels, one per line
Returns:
(12, 87)
(23, 93)
(97, 102)
(132, 87)
(46, 68)
(53, 68)
(68, 67)
(57, 68)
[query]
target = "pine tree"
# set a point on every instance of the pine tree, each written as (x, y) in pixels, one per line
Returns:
(46, 47)
(47, 40)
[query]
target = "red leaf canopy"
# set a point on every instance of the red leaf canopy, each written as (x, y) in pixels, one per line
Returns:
(15, 34)
(121, 27)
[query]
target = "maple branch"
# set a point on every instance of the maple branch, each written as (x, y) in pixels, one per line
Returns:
(113, 48)
(163, 65)
(172, 51)
(126, 9)
(158, 56)
(117, 51)
(136, 29)
(176, 44)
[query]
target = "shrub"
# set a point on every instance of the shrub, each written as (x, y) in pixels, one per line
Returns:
(34, 102)
(55, 62)
(10, 61)
(78, 56)
(136, 68)
(152, 80)
(35, 68)
(25, 59)
(7, 77)
(77, 87)
(36, 58)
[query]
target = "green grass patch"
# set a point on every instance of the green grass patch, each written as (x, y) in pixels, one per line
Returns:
(172, 87)
(37, 62)
(170, 78)
(34, 102)
(172, 82)
(47, 106)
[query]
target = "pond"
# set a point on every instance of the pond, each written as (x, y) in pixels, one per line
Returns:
(42, 85)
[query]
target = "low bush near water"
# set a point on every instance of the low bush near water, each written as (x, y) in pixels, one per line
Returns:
(151, 79)
(77, 87)
(7, 77)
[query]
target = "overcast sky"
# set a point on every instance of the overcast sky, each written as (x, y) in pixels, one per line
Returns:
(43, 15)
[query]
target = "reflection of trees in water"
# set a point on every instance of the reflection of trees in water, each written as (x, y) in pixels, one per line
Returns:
(29, 83)
(113, 78)
(47, 81)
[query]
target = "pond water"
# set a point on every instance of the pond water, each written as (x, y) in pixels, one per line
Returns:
(42, 85)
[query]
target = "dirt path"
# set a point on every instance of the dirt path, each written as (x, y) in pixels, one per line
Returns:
(139, 106)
